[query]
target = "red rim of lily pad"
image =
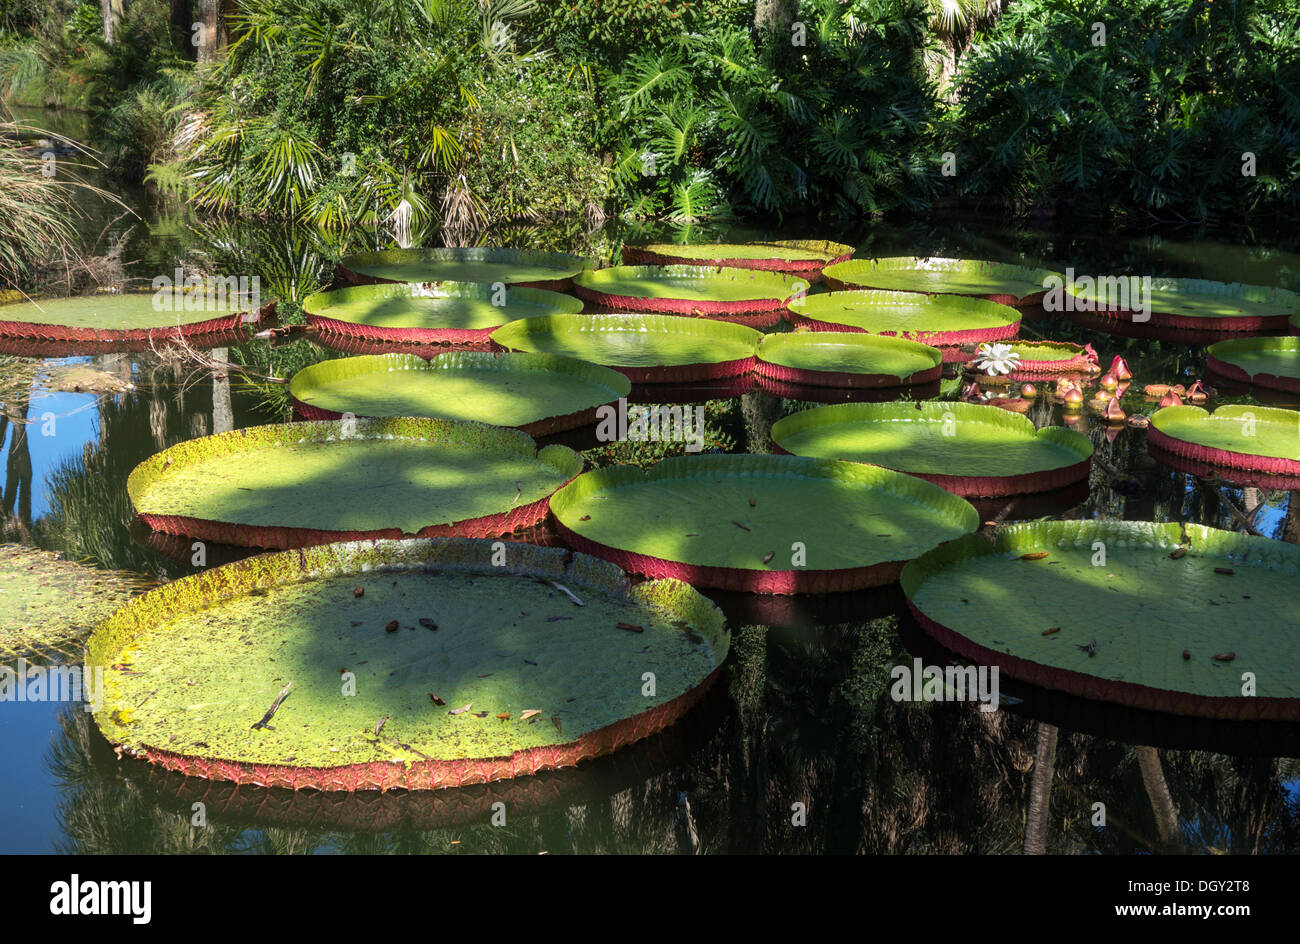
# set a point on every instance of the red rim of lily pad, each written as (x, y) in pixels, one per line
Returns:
(966, 486)
(769, 370)
(356, 333)
(1213, 457)
(1230, 324)
(759, 312)
(810, 269)
(1216, 360)
(1030, 536)
(496, 524)
(228, 326)
(571, 368)
(745, 580)
(565, 264)
(846, 276)
(268, 570)
(1081, 357)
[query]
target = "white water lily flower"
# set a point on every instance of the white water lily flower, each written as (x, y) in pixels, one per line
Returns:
(996, 359)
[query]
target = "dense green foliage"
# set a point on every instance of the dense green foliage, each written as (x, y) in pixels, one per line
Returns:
(402, 114)
(1159, 118)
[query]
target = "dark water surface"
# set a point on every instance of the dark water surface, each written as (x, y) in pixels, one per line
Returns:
(802, 719)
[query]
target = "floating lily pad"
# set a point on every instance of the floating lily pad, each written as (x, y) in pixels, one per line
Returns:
(802, 257)
(1143, 628)
(131, 317)
(646, 348)
(995, 281)
(939, 320)
(537, 393)
(1197, 304)
(741, 295)
(845, 359)
(49, 605)
(966, 448)
(1039, 358)
(1266, 362)
(490, 672)
(293, 485)
(1245, 438)
(450, 313)
(523, 267)
(766, 524)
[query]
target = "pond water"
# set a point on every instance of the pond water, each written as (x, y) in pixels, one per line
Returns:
(798, 749)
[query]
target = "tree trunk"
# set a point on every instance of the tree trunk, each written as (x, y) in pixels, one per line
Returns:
(775, 15)
(223, 415)
(1162, 803)
(112, 11)
(1040, 791)
(212, 14)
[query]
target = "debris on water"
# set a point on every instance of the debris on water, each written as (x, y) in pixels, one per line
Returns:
(1225, 656)
(358, 591)
(739, 525)
(462, 709)
(630, 627)
(768, 559)
(427, 623)
(1054, 629)
(1186, 655)
(1035, 555)
(392, 626)
(1177, 552)
(1226, 571)
(556, 721)
(530, 713)
(1091, 648)
(435, 699)
(504, 716)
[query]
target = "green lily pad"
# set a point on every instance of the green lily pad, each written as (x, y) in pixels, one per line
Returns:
(477, 264)
(306, 483)
(930, 319)
(1198, 303)
(738, 521)
(642, 346)
(1245, 430)
(999, 281)
(49, 605)
(805, 257)
(124, 313)
(1132, 624)
(459, 311)
(1268, 362)
(689, 289)
(840, 358)
(538, 393)
(966, 447)
(543, 682)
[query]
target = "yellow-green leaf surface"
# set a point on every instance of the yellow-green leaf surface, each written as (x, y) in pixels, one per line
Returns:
(358, 475)
(745, 511)
(633, 340)
(1250, 430)
(1142, 607)
(931, 438)
(500, 389)
(449, 306)
(476, 264)
(203, 659)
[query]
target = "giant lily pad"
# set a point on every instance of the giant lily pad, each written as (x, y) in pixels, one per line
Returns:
(802, 257)
(298, 484)
(1197, 304)
(741, 295)
(646, 348)
(966, 448)
(128, 317)
(537, 393)
(1267, 362)
(450, 313)
(1039, 358)
(49, 605)
(524, 267)
(1149, 626)
(939, 320)
(451, 667)
(766, 524)
(846, 359)
(995, 281)
(1244, 438)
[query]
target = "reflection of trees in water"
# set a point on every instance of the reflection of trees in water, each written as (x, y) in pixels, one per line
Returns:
(16, 496)
(809, 720)
(90, 512)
